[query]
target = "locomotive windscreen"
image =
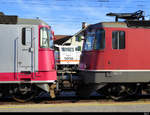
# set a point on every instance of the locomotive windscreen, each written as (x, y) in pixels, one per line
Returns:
(4, 19)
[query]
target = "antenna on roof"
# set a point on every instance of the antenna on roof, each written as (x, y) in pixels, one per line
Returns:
(128, 16)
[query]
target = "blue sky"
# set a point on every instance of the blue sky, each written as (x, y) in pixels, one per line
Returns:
(66, 16)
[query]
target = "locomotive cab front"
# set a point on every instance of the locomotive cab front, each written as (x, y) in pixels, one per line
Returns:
(46, 51)
(93, 50)
(114, 59)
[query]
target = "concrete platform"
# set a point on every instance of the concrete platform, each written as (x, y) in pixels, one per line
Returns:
(80, 107)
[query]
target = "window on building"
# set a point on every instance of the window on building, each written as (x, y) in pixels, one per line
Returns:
(118, 40)
(78, 48)
(99, 42)
(79, 38)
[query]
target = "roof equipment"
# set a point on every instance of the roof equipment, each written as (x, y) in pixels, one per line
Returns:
(128, 16)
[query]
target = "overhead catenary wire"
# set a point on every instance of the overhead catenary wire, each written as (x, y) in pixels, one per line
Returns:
(69, 6)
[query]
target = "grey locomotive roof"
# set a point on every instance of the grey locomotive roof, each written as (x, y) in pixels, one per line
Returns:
(12, 19)
(109, 24)
(30, 21)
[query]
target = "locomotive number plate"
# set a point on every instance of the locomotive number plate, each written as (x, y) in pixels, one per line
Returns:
(68, 58)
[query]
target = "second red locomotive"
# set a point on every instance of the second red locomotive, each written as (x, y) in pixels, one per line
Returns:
(115, 59)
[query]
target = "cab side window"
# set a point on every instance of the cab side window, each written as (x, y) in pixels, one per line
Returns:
(118, 40)
(23, 36)
(99, 40)
(26, 36)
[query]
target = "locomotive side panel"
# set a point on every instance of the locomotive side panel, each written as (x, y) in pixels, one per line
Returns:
(9, 36)
(134, 55)
(16, 57)
(139, 46)
(26, 60)
(116, 56)
(123, 61)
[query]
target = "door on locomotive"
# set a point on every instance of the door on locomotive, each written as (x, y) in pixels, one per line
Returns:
(25, 51)
(117, 49)
(34, 58)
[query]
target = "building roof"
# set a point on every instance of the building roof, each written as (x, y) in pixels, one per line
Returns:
(60, 39)
(57, 37)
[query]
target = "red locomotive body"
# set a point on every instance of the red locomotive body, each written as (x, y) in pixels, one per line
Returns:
(132, 57)
(115, 58)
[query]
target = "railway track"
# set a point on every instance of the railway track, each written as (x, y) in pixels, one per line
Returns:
(72, 99)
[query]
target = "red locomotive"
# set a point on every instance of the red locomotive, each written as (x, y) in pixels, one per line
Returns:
(27, 57)
(115, 59)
